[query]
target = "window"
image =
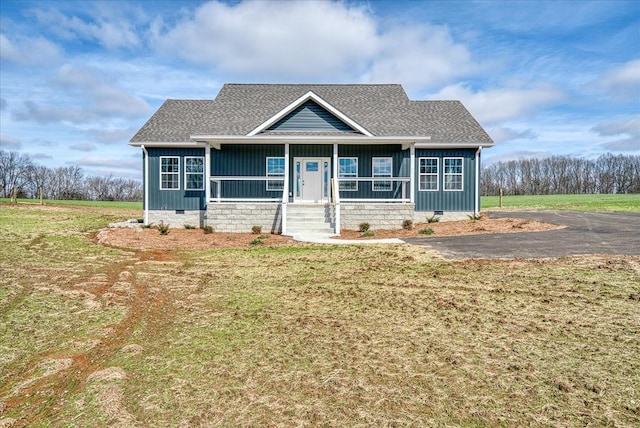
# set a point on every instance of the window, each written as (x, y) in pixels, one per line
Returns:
(428, 174)
(348, 168)
(169, 172)
(382, 167)
(452, 173)
(275, 168)
(194, 173)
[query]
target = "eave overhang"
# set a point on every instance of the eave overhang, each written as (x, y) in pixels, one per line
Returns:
(171, 144)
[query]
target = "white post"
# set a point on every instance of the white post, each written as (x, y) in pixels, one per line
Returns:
(412, 173)
(285, 189)
(477, 195)
(145, 153)
(207, 172)
(336, 188)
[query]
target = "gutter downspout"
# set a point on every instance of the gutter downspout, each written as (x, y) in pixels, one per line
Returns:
(477, 198)
(146, 184)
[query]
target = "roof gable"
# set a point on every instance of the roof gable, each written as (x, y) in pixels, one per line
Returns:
(313, 110)
(310, 116)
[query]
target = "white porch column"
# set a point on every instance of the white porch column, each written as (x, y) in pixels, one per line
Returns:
(412, 172)
(207, 172)
(285, 189)
(145, 153)
(336, 189)
(477, 195)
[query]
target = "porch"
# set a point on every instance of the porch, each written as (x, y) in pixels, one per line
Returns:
(346, 183)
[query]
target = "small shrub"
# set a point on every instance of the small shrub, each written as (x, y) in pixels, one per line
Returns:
(407, 224)
(433, 219)
(426, 231)
(263, 237)
(363, 227)
(475, 217)
(189, 226)
(147, 226)
(367, 234)
(207, 229)
(163, 228)
(256, 242)
(256, 230)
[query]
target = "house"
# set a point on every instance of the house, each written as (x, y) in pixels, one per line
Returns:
(297, 158)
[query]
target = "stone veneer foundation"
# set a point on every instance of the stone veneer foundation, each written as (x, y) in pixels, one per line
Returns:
(241, 217)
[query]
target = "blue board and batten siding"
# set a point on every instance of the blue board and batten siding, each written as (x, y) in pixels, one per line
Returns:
(179, 199)
(250, 160)
(244, 160)
(400, 164)
(310, 117)
(448, 200)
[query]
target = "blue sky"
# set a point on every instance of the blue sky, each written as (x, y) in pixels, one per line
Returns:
(79, 78)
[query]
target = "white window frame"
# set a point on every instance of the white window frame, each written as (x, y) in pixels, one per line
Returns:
(169, 173)
(375, 182)
(272, 182)
(428, 174)
(446, 174)
(187, 173)
(353, 185)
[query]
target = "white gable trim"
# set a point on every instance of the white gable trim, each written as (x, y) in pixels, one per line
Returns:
(297, 103)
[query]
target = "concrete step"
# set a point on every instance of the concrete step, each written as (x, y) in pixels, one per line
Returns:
(310, 219)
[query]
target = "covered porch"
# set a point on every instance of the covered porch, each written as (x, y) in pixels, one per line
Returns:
(272, 184)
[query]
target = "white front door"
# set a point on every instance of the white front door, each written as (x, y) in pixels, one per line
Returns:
(311, 179)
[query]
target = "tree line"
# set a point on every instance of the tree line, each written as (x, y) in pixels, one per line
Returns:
(557, 175)
(19, 174)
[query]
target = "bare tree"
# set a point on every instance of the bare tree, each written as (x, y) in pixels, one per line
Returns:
(14, 168)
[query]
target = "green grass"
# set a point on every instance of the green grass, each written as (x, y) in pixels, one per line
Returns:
(103, 204)
(306, 335)
(623, 203)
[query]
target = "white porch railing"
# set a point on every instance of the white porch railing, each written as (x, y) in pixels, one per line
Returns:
(403, 197)
(216, 193)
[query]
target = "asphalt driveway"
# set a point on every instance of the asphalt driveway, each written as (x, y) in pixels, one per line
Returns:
(585, 233)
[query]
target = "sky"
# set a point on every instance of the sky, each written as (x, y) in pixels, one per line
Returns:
(79, 78)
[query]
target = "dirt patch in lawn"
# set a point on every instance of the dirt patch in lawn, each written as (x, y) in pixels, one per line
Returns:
(195, 239)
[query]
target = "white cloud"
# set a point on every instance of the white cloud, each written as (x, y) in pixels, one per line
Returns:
(501, 134)
(314, 41)
(9, 143)
(621, 83)
(419, 56)
(274, 40)
(630, 126)
(47, 115)
(100, 162)
(29, 51)
(84, 95)
(101, 90)
(628, 129)
(502, 104)
(83, 147)
(110, 31)
(101, 135)
(37, 156)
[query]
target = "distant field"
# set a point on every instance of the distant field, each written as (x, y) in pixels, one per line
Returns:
(107, 204)
(625, 203)
(305, 335)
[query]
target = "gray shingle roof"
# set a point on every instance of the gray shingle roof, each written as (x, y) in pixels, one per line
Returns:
(384, 110)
